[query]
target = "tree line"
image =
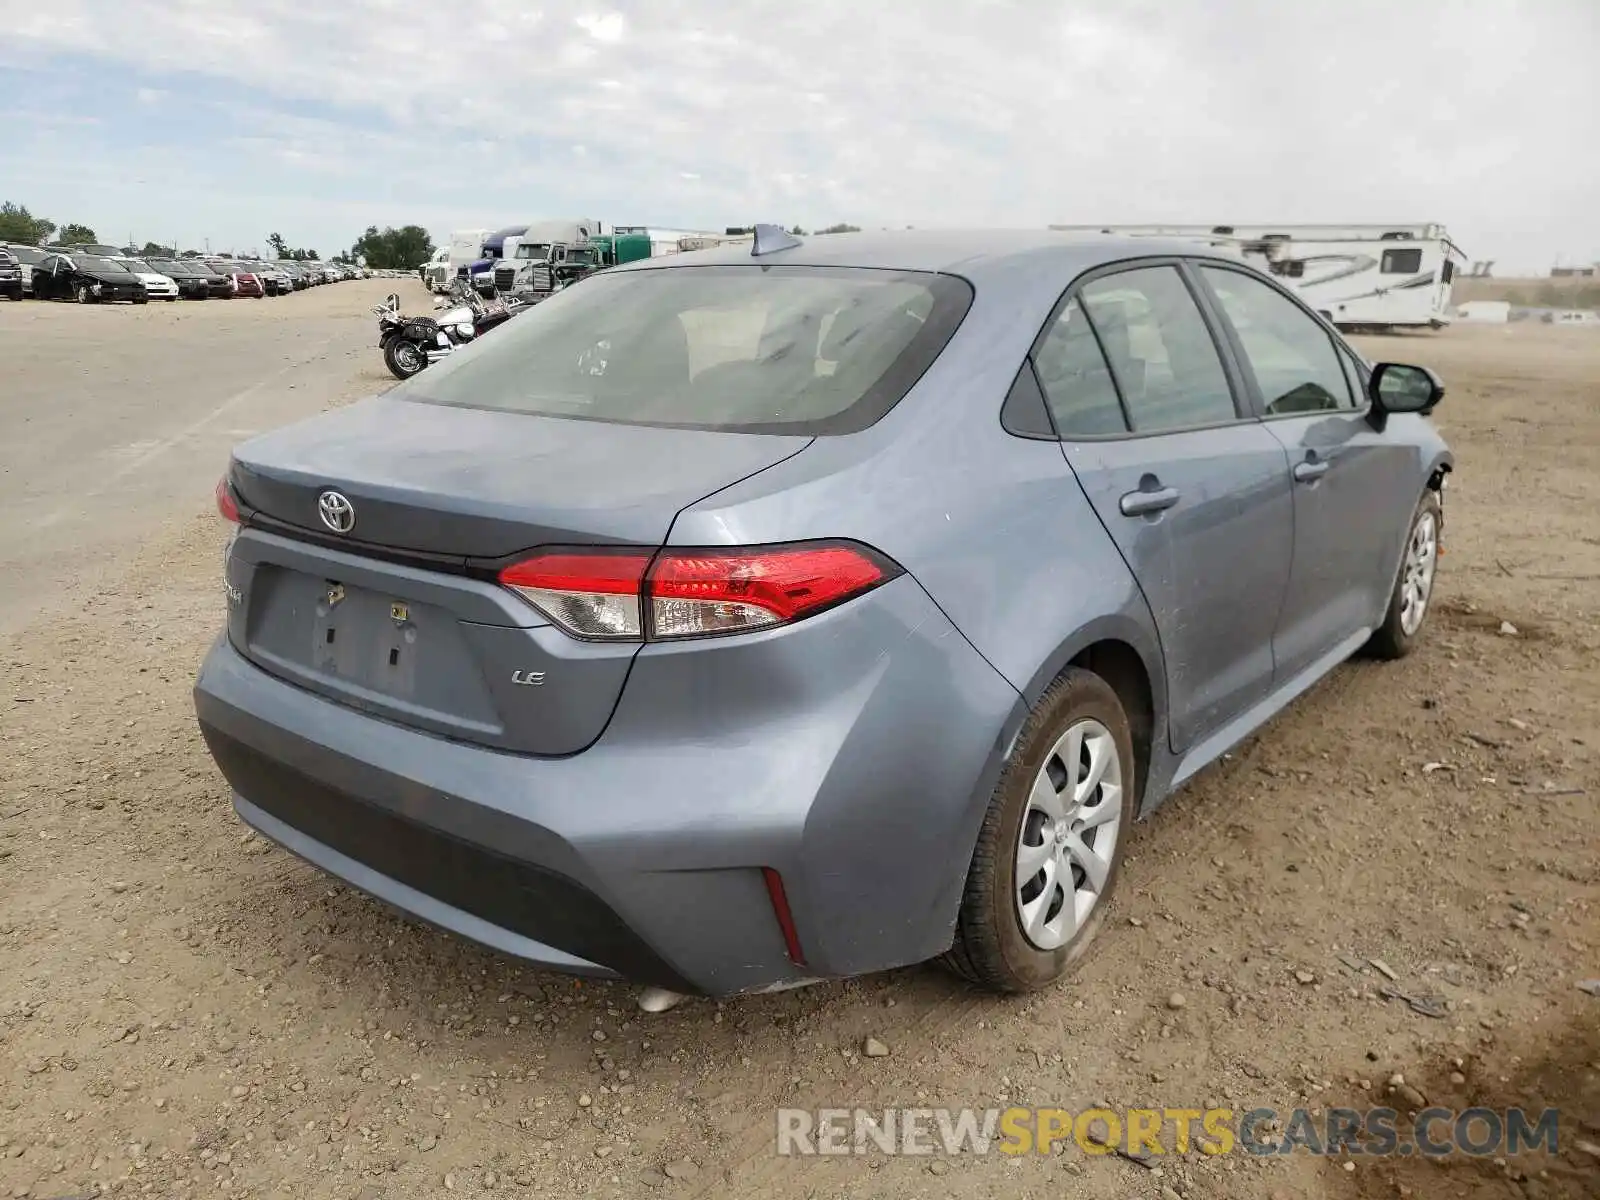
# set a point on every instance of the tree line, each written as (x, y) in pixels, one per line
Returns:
(19, 225)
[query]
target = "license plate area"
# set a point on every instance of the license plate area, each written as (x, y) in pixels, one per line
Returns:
(369, 647)
(369, 639)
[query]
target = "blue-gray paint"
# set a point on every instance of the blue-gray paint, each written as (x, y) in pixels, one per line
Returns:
(854, 752)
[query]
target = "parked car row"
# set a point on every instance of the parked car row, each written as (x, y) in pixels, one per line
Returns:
(101, 274)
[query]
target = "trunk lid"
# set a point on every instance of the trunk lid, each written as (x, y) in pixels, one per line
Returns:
(400, 616)
(477, 483)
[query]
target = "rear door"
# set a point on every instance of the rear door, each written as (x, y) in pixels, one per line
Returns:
(1354, 488)
(47, 280)
(1193, 490)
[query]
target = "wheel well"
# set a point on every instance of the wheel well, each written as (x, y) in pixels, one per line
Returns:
(1436, 480)
(1120, 666)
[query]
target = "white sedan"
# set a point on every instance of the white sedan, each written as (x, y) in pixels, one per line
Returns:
(158, 286)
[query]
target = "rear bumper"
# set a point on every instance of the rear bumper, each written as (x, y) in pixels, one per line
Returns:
(858, 770)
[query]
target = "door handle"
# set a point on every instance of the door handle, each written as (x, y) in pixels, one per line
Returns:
(1310, 470)
(1142, 503)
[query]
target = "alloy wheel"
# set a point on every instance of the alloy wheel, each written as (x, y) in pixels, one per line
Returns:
(409, 358)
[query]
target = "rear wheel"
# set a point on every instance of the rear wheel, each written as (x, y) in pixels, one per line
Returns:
(1050, 848)
(404, 359)
(1413, 586)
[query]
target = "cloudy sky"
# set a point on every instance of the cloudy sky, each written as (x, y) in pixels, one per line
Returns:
(229, 119)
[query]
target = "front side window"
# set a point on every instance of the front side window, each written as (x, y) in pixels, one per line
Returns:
(1401, 262)
(800, 350)
(1162, 355)
(1294, 360)
(1076, 380)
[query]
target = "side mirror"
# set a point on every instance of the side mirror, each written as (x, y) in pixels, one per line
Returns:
(1399, 388)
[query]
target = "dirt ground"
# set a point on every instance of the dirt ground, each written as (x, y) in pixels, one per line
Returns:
(187, 1011)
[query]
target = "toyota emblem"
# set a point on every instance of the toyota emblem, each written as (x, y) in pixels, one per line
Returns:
(338, 514)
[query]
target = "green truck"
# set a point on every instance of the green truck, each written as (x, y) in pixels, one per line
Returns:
(568, 264)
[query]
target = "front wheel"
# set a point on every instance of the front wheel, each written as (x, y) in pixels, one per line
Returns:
(1413, 586)
(1050, 848)
(85, 296)
(404, 359)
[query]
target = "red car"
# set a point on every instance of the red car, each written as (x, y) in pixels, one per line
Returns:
(245, 283)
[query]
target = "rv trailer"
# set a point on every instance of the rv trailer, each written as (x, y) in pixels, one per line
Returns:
(1373, 277)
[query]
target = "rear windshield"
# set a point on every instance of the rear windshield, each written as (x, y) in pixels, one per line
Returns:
(797, 350)
(88, 262)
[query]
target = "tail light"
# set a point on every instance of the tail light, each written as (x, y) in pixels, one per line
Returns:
(633, 595)
(226, 504)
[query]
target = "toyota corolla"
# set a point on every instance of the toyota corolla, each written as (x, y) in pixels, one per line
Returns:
(743, 618)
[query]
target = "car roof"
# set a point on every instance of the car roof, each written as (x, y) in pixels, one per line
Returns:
(969, 253)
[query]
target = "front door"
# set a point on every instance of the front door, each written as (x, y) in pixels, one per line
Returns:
(1194, 494)
(1353, 487)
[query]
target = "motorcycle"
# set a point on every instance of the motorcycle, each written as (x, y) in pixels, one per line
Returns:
(410, 343)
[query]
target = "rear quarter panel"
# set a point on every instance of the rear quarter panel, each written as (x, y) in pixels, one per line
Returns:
(995, 528)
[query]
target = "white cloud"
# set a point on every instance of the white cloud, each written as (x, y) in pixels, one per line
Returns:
(1010, 112)
(603, 27)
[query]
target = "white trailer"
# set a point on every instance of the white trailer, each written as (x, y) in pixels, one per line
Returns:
(1357, 276)
(710, 241)
(466, 248)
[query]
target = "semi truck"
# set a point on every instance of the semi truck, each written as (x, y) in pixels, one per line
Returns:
(568, 264)
(534, 245)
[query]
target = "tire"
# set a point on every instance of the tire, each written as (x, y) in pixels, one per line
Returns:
(141, 299)
(1419, 565)
(992, 948)
(404, 359)
(84, 295)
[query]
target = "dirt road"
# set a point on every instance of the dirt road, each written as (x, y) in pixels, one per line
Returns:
(112, 417)
(185, 1011)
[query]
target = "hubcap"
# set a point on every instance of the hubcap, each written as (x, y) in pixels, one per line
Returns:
(1416, 584)
(409, 356)
(1069, 834)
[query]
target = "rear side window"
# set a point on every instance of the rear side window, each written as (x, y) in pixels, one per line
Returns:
(798, 350)
(1294, 361)
(1161, 352)
(1076, 380)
